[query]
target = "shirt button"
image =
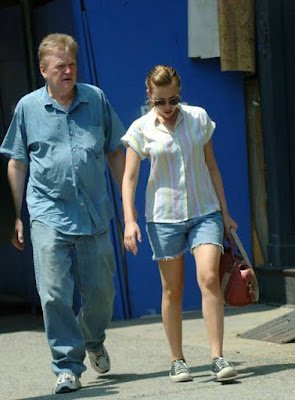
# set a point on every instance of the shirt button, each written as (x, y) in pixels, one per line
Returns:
(71, 133)
(76, 167)
(74, 150)
(81, 204)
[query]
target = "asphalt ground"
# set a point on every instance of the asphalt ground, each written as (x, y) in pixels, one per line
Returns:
(140, 360)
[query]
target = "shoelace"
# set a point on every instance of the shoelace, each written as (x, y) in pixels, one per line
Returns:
(221, 363)
(101, 353)
(180, 366)
(66, 377)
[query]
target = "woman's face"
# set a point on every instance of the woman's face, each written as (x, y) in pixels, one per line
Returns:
(165, 100)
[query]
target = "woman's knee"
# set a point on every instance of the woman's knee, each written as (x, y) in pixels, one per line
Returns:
(173, 293)
(209, 281)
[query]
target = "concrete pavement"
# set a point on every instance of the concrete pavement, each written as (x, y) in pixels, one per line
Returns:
(140, 360)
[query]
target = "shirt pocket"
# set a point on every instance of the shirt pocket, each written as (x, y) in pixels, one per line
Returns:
(91, 138)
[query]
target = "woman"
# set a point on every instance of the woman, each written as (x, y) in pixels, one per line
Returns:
(185, 209)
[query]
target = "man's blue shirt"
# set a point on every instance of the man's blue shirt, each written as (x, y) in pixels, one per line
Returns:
(65, 151)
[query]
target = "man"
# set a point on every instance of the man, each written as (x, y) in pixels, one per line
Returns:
(62, 132)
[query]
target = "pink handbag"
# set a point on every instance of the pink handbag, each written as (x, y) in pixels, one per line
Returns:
(238, 281)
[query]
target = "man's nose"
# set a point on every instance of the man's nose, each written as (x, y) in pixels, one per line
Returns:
(68, 69)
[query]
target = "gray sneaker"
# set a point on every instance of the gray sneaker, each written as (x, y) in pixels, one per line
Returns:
(179, 372)
(100, 361)
(223, 370)
(66, 382)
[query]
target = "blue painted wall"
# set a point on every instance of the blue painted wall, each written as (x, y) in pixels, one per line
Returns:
(128, 39)
(120, 41)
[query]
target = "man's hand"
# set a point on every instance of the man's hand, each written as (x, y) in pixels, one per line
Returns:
(18, 237)
(17, 172)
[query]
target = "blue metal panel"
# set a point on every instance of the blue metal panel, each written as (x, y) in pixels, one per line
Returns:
(89, 74)
(129, 38)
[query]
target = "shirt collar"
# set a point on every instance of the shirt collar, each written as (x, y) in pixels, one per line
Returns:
(153, 116)
(80, 97)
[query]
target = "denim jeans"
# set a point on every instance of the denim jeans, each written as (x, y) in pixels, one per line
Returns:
(68, 336)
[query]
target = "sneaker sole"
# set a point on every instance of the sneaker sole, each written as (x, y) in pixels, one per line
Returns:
(66, 389)
(100, 371)
(181, 378)
(225, 378)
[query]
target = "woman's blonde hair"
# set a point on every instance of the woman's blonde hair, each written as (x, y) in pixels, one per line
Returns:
(162, 75)
(56, 41)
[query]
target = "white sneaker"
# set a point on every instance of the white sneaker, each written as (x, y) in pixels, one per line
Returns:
(100, 361)
(223, 370)
(179, 372)
(66, 382)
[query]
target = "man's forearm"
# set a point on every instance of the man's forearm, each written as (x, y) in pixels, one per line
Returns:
(16, 173)
(116, 162)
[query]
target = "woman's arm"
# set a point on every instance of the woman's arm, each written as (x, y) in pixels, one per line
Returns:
(218, 186)
(130, 178)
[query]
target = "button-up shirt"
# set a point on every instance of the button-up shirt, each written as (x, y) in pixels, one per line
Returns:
(179, 185)
(65, 152)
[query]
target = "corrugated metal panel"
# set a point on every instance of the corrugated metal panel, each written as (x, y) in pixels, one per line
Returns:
(280, 330)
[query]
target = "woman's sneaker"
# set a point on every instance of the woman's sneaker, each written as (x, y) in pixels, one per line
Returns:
(66, 382)
(223, 370)
(100, 361)
(179, 372)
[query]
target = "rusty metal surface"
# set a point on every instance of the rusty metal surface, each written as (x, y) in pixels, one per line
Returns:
(280, 330)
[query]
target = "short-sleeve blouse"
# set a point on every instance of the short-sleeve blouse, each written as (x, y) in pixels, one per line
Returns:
(179, 185)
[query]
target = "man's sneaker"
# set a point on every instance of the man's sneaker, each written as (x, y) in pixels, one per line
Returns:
(179, 372)
(66, 382)
(100, 361)
(223, 370)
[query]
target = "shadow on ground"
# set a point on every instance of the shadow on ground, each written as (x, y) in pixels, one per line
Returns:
(109, 384)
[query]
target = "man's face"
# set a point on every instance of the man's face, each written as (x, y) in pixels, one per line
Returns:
(59, 69)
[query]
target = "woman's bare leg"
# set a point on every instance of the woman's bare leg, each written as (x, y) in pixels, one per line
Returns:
(171, 272)
(207, 258)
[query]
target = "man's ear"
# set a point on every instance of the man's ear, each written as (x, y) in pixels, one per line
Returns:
(43, 71)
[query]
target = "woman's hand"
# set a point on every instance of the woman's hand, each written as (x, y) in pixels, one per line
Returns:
(132, 232)
(229, 223)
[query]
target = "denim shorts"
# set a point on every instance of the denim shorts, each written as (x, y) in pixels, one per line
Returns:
(170, 240)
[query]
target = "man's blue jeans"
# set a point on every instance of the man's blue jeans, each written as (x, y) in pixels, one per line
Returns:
(94, 265)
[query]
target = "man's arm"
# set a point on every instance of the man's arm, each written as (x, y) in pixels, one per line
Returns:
(16, 173)
(116, 161)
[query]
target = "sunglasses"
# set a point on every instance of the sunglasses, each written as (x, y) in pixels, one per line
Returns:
(173, 101)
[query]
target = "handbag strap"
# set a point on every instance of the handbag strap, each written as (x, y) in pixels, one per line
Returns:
(231, 242)
(236, 238)
(241, 247)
